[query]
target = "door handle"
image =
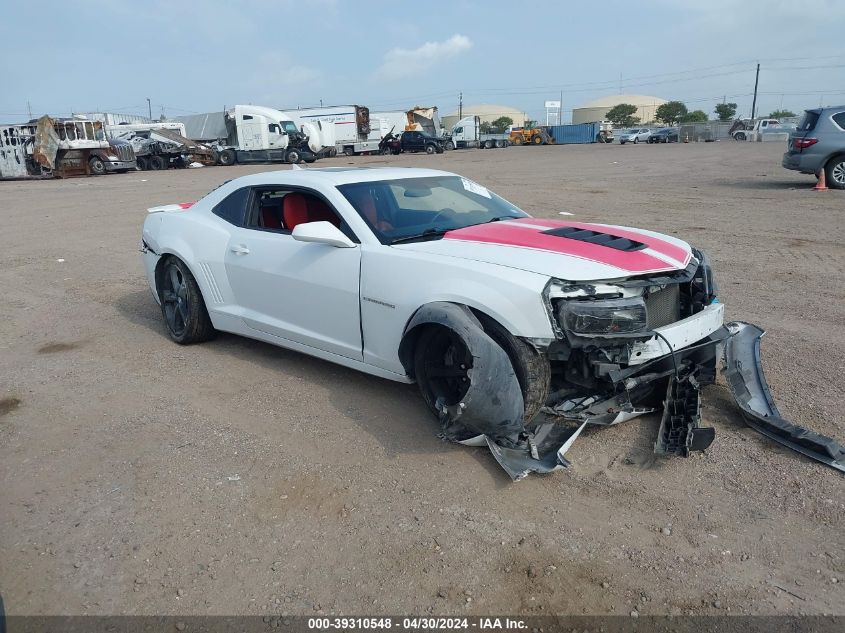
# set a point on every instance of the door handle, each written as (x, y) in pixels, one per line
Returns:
(240, 249)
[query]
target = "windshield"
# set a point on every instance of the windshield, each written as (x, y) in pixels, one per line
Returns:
(408, 209)
(289, 127)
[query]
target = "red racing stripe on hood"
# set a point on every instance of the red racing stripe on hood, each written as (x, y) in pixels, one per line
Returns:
(507, 234)
(658, 245)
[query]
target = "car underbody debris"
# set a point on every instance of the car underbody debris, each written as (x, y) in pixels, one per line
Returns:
(744, 374)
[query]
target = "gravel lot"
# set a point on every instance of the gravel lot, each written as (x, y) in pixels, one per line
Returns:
(139, 477)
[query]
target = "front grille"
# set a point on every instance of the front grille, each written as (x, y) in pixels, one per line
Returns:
(663, 306)
(124, 152)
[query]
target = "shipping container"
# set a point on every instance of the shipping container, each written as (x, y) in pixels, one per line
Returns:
(576, 133)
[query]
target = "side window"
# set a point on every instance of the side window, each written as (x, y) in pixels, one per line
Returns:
(839, 119)
(274, 129)
(280, 210)
(233, 207)
(246, 117)
(459, 130)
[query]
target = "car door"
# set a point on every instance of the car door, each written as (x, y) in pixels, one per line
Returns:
(275, 136)
(415, 141)
(300, 291)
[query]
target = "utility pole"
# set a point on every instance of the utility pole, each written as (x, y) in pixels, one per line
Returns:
(560, 110)
(460, 106)
(754, 103)
(149, 108)
(29, 109)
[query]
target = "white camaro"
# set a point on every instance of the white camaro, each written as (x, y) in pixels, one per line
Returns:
(417, 274)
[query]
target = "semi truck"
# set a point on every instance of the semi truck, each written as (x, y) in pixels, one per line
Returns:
(250, 134)
(352, 130)
(466, 133)
(60, 148)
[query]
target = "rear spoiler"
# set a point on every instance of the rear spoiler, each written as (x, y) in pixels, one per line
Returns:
(170, 208)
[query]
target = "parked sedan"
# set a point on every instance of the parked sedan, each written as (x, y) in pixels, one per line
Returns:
(665, 135)
(819, 144)
(635, 136)
(424, 276)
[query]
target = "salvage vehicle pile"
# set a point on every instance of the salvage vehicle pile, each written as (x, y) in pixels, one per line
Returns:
(519, 331)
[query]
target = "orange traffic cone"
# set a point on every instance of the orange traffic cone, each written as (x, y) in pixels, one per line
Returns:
(821, 185)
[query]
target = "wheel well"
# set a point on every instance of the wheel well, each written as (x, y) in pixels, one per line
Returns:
(408, 344)
(834, 157)
(159, 271)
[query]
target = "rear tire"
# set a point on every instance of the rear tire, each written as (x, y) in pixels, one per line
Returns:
(740, 136)
(158, 163)
(182, 305)
(537, 140)
(834, 172)
(450, 146)
(293, 157)
(517, 140)
(142, 163)
(430, 149)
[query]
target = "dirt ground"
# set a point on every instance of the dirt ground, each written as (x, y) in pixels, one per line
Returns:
(233, 477)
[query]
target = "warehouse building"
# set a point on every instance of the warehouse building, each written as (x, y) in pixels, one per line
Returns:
(597, 110)
(487, 113)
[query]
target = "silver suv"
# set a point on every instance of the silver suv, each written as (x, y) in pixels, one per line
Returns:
(819, 143)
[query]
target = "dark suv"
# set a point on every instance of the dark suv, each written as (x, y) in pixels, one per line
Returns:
(819, 143)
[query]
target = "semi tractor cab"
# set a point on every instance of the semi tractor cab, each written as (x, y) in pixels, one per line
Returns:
(256, 134)
(466, 133)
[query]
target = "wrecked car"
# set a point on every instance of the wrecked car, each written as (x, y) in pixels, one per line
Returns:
(426, 276)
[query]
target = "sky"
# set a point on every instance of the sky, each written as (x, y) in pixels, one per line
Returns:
(196, 56)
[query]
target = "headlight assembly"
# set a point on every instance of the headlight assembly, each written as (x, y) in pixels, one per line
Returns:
(610, 316)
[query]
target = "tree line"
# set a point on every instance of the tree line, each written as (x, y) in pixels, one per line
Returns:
(674, 112)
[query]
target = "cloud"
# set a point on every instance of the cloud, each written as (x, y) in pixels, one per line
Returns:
(402, 62)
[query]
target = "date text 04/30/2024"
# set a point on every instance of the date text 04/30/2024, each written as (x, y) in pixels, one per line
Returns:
(417, 624)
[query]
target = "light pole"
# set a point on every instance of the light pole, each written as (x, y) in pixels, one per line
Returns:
(149, 108)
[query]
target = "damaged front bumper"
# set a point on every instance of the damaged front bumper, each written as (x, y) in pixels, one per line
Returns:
(745, 378)
(490, 414)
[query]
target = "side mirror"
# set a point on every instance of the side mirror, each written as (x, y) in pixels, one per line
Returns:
(321, 232)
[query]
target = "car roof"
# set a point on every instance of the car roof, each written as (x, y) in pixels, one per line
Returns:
(334, 176)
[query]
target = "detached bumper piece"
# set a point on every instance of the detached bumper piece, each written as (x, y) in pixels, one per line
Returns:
(680, 428)
(744, 374)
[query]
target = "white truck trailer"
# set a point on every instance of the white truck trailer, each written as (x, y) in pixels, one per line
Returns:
(382, 123)
(351, 127)
(250, 134)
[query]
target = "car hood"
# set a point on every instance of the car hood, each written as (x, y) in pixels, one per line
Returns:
(573, 251)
